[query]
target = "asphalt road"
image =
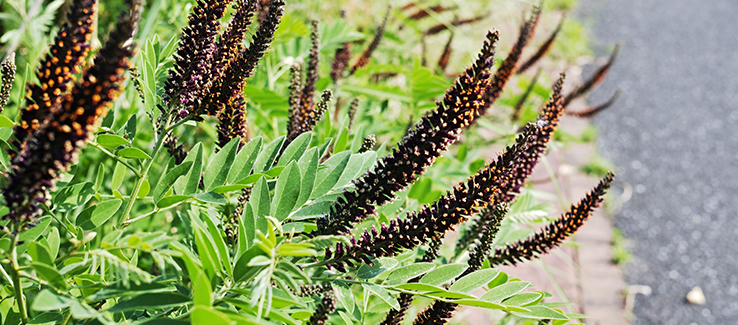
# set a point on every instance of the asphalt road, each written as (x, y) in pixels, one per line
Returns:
(673, 137)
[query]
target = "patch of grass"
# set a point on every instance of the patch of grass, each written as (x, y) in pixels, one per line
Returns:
(621, 255)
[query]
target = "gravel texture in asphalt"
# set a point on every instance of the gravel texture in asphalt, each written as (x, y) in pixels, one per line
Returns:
(672, 136)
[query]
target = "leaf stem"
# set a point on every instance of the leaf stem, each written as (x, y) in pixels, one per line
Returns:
(16, 276)
(119, 159)
(144, 216)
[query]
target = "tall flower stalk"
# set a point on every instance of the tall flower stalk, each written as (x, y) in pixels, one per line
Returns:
(56, 71)
(495, 183)
(553, 234)
(431, 136)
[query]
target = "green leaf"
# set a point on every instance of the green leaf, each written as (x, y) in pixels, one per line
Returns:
(133, 153)
(217, 239)
(118, 290)
(211, 197)
(150, 301)
(266, 158)
(504, 291)
(296, 249)
(341, 140)
(50, 274)
(47, 300)
(188, 185)
(172, 200)
(111, 141)
(381, 265)
(420, 287)
(95, 216)
(345, 296)
(168, 180)
(40, 253)
(286, 192)
(246, 229)
(452, 295)
(309, 171)
(6, 122)
(479, 303)
(406, 273)
(443, 274)
(144, 190)
(216, 173)
(522, 299)
(207, 253)
(54, 240)
(500, 279)
(245, 161)
(329, 176)
(295, 149)
(474, 280)
(100, 178)
(354, 168)
(201, 291)
(260, 201)
(202, 315)
(118, 174)
(382, 293)
(73, 196)
(540, 312)
(229, 188)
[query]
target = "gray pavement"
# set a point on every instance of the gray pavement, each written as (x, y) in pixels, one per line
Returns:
(673, 137)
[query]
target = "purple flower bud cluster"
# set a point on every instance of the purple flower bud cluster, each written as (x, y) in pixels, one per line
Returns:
(418, 150)
(192, 74)
(363, 60)
(552, 235)
(493, 184)
(507, 68)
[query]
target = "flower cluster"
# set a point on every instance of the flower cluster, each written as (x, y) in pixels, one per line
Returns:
(495, 183)
(507, 68)
(369, 50)
(592, 111)
(437, 313)
(456, 22)
(57, 69)
(446, 54)
(53, 148)
(340, 61)
(418, 150)
(326, 307)
(552, 235)
(369, 142)
(304, 113)
(7, 71)
(596, 78)
(542, 50)
(192, 74)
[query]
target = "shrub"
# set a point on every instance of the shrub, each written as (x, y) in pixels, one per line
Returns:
(256, 227)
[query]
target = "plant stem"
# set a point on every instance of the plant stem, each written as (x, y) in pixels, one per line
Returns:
(119, 159)
(157, 148)
(157, 210)
(66, 318)
(16, 276)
